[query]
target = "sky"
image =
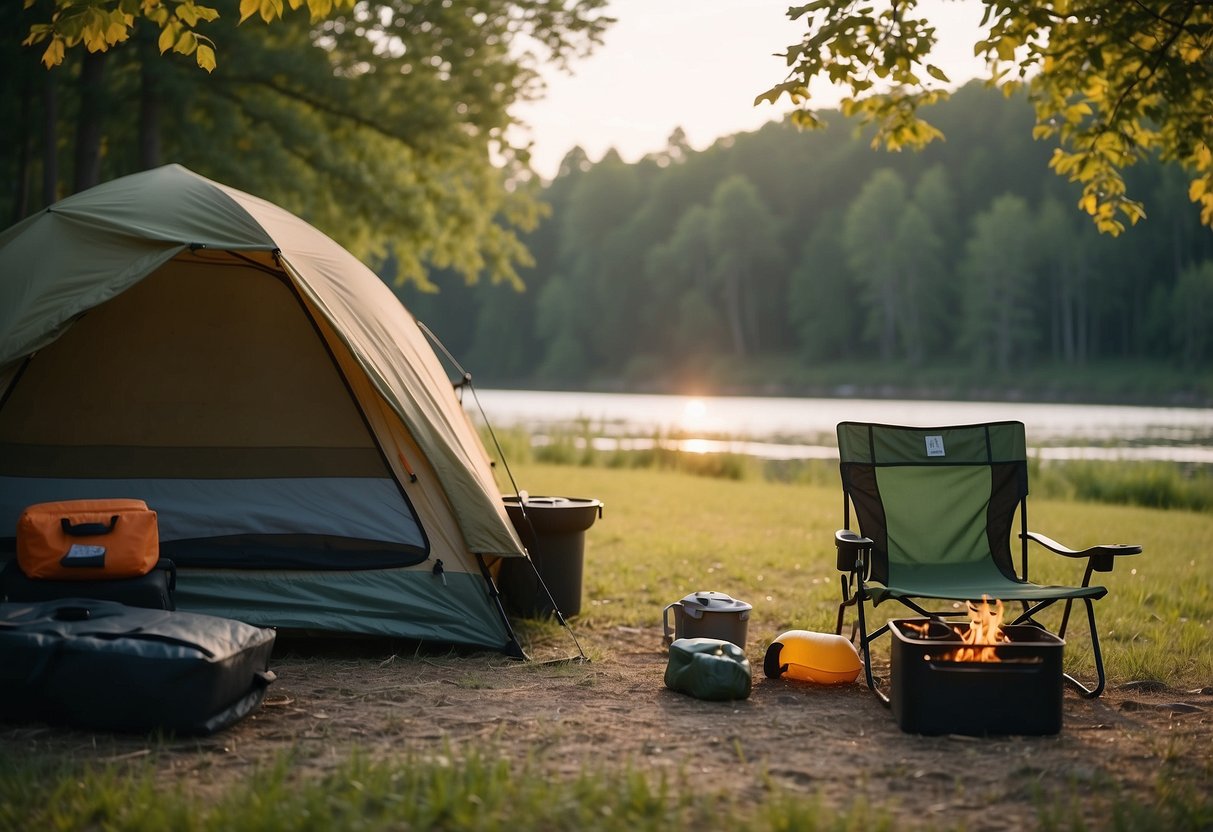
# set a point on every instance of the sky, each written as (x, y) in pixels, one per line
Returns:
(695, 64)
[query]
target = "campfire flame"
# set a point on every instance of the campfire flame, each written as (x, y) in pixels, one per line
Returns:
(985, 630)
(920, 628)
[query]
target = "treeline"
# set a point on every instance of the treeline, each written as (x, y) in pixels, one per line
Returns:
(773, 256)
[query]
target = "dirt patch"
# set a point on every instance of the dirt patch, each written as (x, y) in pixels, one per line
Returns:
(838, 743)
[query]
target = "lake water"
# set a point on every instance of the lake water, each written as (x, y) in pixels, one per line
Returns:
(801, 428)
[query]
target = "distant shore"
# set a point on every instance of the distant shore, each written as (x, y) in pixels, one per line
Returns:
(1135, 384)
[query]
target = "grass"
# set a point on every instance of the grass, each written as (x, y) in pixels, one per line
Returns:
(664, 534)
(481, 791)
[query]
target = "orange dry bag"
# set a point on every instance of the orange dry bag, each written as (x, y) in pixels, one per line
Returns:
(87, 540)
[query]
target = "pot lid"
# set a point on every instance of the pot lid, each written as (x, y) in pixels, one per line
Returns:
(700, 602)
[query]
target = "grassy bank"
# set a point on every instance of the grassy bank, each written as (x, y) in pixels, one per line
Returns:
(1163, 485)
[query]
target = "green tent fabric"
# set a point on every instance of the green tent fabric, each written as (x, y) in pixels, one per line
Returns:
(91, 248)
(98, 243)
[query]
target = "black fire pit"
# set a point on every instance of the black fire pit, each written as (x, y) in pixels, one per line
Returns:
(932, 694)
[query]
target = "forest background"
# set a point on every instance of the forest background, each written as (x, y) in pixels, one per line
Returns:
(783, 261)
(778, 261)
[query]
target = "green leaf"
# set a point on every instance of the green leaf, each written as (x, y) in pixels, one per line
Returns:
(53, 54)
(168, 36)
(186, 44)
(319, 9)
(937, 73)
(271, 10)
(248, 8)
(205, 56)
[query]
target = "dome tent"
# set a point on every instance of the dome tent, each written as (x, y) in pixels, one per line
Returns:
(166, 337)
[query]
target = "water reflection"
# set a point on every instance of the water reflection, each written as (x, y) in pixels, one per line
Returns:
(791, 428)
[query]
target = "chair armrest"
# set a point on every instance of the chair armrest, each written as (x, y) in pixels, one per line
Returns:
(1101, 556)
(851, 550)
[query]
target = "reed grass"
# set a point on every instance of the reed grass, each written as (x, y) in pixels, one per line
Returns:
(1165, 485)
(577, 447)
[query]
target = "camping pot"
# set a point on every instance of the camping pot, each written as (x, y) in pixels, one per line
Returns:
(707, 615)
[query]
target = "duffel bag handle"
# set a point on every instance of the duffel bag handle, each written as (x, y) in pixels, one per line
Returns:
(88, 529)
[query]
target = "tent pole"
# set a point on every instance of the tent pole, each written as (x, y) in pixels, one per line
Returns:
(512, 648)
(466, 381)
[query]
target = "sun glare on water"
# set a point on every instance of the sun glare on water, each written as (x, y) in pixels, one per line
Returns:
(694, 420)
(694, 414)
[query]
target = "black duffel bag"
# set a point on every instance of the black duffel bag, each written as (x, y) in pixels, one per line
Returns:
(101, 664)
(153, 590)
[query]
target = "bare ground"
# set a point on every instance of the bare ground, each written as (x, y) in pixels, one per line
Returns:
(836, 743)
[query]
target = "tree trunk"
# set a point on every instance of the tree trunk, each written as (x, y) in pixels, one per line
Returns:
(50, 139)
(88, 123)
(888, 331)
(748, 296)
(24, 150)
(912, 335)
(1003, 335)
(149, 100)
(1069, 312)
(1082, 315)
(733, 310)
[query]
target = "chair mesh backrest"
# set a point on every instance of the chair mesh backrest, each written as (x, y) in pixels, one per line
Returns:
(934, 496)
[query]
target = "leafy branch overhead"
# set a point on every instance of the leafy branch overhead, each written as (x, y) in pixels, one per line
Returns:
(388, 124)
(100, 24)
(1112, 81)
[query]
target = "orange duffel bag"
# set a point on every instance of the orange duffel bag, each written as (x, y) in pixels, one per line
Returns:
(87, 540)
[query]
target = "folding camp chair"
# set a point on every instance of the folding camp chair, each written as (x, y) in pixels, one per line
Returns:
(935, 508)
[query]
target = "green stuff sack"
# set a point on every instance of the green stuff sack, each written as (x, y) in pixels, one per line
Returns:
(708, 668)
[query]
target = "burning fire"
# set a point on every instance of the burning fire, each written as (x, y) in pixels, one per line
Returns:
(985, 630)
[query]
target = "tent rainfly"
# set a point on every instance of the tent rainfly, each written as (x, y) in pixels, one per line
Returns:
(169, 338)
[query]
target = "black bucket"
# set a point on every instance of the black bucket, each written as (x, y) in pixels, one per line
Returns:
(553, 531)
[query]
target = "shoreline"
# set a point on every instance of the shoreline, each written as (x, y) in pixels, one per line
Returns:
(920, 393)
(1132, 383)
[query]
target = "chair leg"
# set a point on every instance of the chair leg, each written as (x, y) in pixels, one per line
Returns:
(865, 639)
(1086, 581)
(1065, 618)
(1083, 690)
(847, 600)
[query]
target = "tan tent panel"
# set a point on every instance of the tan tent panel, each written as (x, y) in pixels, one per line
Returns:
(167, 337)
